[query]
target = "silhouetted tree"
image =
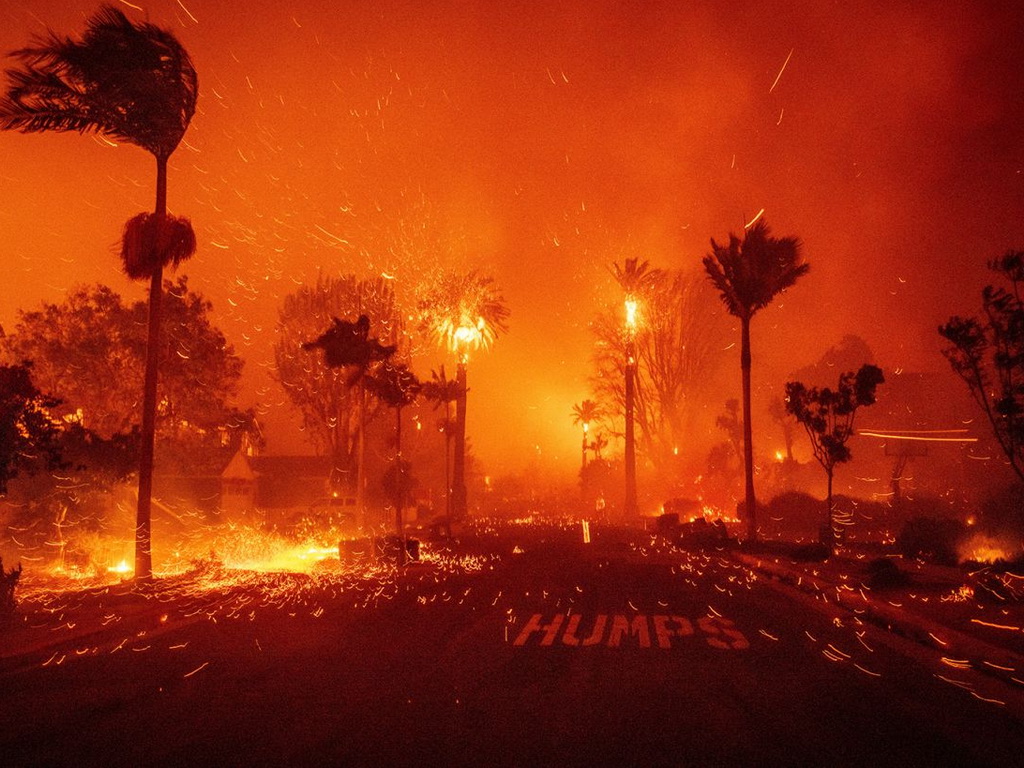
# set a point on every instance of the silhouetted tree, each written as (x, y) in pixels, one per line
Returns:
(134, 82)
(988, 354)
(29, 437)
(444, 391)
(348, 346)
(827, 416)
(396, 386)
(8, 581)
(749, 274)
(463, 312)
(87, 351)
(585, 413)
(326, 395)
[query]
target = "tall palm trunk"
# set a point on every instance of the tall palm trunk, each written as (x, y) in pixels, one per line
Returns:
(748, 440)
(447, 469)
(828, 533)
(400, 496)
(459, 461)
(630, 501)
(583, 472)
(361, 458)
(143, 519)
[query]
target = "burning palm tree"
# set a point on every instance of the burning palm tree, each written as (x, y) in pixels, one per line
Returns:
(135, 83)
(584, 414)
(463, 312)
(635, 279)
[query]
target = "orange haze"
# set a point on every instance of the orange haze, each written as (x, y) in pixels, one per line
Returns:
(540, 142)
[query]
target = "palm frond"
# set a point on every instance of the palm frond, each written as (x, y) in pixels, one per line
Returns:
(586, 412)
(148, 244)
(134, 82)
(467, 305)
(749, 273)
(636, 277)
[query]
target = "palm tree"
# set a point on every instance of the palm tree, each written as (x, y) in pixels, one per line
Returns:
(635, 279)
(396, 386)
(748, 274)
(135, 83)
(464, 312)
(585, 413)
(440, 389)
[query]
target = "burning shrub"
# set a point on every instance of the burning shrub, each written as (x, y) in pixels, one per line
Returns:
(937, 540)
(980, 549)
(8, 580)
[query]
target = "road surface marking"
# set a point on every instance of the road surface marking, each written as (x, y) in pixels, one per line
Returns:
(618, 630)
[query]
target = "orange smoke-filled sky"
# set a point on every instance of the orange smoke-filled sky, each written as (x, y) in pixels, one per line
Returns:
(540, 142)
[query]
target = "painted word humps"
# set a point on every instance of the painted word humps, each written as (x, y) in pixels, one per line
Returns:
(639, 630)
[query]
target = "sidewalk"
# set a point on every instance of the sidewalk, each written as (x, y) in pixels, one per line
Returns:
(80, 622)
(937, 608)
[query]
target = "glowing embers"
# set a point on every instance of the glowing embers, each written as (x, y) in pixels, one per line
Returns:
(122, 568)
(980, 548)
(637, 630)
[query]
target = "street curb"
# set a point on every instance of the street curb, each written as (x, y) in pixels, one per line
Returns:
(982, 656)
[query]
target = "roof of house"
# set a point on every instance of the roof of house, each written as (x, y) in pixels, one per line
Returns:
(242, 467)
(239, 468)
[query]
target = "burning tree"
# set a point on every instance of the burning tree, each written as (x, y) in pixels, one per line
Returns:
(583, 415)
(988, 354)
(464, 312)
(635, 279)
(748, 274)
(827, 416)
(676, 350)
(136, 83)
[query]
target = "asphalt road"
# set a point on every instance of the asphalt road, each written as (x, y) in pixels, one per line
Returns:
(548, 651)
